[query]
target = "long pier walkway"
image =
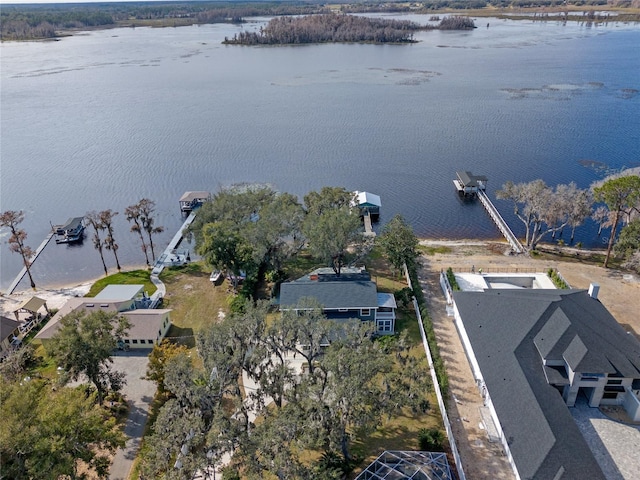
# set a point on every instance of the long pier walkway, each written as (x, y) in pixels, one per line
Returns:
(516, 246)
(23, 272)
(368, 226)
(168, 257)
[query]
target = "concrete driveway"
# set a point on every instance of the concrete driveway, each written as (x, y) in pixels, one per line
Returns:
(139, 394)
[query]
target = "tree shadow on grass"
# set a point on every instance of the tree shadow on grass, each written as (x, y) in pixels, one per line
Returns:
(182, 336)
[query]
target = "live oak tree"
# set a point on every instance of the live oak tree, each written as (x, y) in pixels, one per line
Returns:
(621, 195)
(11, 219)
(276, 231)
(268, 221)
(543, 209)
(328, 198)
(628, 244)
(398, 242)
(224, 247)
(158, 359)
(350, 385)
(305, 331)
(51, 434)
(16, 363)
(84, 345)
(332, 226)
(331, 234)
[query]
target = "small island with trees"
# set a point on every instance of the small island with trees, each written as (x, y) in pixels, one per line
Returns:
(334, 28)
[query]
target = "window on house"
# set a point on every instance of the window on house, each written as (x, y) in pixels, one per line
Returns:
(150, 342)
(614, 389)
(610, 395)
(134, 341)
(365, 312)
(614, 382)
(126, 340)
(159, 333)
(343, 309)
(142, 341)
(384, 326)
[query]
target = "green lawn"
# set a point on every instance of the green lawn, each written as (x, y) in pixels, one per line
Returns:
(134, 277)
(193, 299)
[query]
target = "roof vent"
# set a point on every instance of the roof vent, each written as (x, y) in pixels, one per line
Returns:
(594, 288)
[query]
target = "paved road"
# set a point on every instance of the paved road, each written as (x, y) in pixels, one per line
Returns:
(139, 394)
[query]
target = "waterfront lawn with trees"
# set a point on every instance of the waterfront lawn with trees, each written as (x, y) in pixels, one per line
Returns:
(318, 425)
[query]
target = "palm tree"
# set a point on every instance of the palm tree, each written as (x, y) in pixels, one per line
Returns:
(106, 217)
(133, 214)
(147, 208)
(95, 221)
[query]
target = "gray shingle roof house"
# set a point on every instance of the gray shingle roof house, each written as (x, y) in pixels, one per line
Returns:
(533, 352)
(8, 332)
(148, 326)
(350, 295)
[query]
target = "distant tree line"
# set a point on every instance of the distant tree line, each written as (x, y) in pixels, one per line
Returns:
(334, 27)
(24, 22)
(19, 24)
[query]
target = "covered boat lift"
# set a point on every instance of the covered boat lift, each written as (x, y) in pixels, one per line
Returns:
(469, 184)
(192, 200)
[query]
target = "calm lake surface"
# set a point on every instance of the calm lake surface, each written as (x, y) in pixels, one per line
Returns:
(102, 119)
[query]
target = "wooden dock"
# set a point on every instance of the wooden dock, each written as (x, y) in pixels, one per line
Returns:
(23, 272)
(168, 257)
(516, 246)
(368, 227)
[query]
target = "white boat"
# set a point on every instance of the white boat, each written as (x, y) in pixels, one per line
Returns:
(215, 276)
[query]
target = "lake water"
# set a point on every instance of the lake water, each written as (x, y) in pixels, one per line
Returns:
(102, 119)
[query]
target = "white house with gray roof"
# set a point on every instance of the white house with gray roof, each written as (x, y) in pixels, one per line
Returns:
(148, 326)
(351, 294)
(532, 353)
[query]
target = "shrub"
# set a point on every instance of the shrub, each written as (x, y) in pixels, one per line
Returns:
(557, 279)
(452, 280)
(431, 440)
(404, 296)
(237, 303)
(438, 363)
(230, 473)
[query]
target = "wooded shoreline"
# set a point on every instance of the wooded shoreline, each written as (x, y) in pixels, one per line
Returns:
(42, 21)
